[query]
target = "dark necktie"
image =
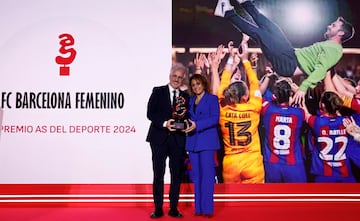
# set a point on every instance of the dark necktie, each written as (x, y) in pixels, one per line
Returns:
(174, 98)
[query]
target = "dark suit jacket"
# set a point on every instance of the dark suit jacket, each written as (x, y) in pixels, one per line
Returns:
(159, 110)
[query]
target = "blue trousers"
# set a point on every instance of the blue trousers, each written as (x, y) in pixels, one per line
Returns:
(280, 173)
(275, 46)
(324, 179)
(203, 177)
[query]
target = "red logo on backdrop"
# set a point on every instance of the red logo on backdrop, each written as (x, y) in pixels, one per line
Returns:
(68, 52)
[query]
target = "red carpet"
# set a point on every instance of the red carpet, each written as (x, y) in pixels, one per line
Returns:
(247, 211)
(267, 202)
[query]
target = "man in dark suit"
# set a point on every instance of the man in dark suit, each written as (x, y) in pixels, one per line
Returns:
(166, 141)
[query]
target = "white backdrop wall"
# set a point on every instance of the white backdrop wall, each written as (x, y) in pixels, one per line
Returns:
(123, 48)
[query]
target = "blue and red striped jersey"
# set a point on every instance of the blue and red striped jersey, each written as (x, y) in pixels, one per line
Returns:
(331, 141)
(282, 143)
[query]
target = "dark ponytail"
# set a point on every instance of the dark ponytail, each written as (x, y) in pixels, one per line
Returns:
(331, 101)
(282, 91)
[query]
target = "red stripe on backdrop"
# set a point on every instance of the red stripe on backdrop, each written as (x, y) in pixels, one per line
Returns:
(8, 189)
(140, 195)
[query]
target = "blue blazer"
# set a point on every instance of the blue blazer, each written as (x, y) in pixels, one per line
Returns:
(206, 117)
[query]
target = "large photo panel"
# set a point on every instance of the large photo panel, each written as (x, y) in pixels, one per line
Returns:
(291, 149)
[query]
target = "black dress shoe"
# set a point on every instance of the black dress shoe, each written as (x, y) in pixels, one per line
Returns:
(208, 215)
(175, 213)
(157, 214)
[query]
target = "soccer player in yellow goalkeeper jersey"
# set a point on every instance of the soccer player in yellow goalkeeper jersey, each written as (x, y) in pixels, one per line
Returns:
(240, 108)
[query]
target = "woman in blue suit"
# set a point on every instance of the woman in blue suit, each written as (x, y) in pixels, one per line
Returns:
(202, 142)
